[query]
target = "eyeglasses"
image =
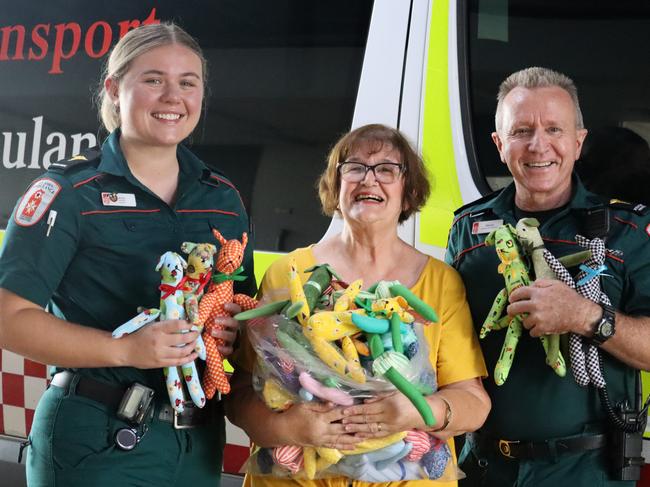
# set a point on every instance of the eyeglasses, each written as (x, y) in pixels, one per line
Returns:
(384, 172)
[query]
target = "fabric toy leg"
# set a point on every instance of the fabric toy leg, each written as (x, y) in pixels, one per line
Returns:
(503, 365)
(191, 376)
(174, 388)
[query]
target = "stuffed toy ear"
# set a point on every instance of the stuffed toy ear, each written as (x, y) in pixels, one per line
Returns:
(244, 239)
(160, 262)
(187, 247)
(183, 261)
(218, 236)
(531, 222)
(489, 240)
(512, 229)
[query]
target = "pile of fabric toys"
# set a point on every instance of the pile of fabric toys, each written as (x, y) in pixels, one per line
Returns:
(523, 259)
(196, 290)
(333, 342)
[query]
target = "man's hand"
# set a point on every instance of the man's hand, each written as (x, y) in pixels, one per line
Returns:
(550, 307)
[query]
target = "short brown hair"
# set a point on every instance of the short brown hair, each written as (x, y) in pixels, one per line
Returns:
(416, 181)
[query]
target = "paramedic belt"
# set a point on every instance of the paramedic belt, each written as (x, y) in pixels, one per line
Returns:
(111, 396)
(538, 450)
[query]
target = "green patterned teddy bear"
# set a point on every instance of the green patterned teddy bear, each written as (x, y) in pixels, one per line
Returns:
(515, 274)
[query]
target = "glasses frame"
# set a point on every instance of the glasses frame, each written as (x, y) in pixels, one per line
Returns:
(368, 167)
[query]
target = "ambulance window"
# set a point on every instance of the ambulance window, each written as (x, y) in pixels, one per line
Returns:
(603, 46)
(284, 82)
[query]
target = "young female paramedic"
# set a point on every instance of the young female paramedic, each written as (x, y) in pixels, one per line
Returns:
(79, 258)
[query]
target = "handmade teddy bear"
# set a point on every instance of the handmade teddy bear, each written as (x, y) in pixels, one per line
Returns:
(171, 267)
(200, 260)
(533, 245)
(584, 356)
(220, 292)
(515, 274)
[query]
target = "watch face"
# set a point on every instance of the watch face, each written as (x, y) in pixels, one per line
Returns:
(606, 329)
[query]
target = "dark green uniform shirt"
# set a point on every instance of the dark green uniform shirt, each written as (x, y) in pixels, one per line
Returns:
(95, 265)
(535, 403)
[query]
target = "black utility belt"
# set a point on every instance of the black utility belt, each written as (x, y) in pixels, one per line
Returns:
(537, 450)
(135, 401)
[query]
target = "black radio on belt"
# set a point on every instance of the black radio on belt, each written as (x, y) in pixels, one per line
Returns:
(135, 408)
(135, 404)
(626, 444)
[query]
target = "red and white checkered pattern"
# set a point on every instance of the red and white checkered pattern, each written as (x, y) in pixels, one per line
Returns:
(22, 382)
(237, 449)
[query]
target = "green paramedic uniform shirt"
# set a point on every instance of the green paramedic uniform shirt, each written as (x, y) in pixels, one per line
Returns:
(95, 265)
(535, 403)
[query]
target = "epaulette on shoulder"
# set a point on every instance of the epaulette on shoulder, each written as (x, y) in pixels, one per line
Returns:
(86, 157)
(638, 208)
(479, 201)
(215, 178)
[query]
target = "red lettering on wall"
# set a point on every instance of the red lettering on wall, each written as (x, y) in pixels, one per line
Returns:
(151, 19)
(90, 37)
(58, 53)
(20, 42)
(66, 42)
(127, 25)
(40, 42)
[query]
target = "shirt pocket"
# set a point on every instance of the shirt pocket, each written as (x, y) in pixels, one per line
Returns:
(123, 229)
(198, 227)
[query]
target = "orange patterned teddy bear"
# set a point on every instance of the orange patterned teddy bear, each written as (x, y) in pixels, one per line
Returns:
(227, 269)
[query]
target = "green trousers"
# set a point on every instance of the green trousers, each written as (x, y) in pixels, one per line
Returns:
(582, 469)
(72, 444)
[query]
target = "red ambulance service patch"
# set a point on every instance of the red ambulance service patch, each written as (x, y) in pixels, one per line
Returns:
(36, 201)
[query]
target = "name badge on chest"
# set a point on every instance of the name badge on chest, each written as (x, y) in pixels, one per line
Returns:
(118, 199)
(486, 226)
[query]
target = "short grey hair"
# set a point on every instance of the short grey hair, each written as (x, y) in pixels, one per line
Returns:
(133, 44)
(537, 77)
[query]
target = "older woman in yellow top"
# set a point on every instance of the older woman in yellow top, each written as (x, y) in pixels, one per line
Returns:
(374, 180)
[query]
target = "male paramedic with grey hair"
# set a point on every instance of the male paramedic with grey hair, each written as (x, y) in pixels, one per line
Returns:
(546, 429)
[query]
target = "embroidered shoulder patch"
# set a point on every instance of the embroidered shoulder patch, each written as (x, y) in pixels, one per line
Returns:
(36, 201)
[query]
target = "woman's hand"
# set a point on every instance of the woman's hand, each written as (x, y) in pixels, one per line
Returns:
(226, 330)
(314, 424)
(162, 344)
(381, 416)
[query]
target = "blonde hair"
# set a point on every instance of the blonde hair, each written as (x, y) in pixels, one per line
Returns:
(537, 77)
(416, 181)
(135, 43)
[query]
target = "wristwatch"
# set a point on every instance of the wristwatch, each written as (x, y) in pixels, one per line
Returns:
(604, 328)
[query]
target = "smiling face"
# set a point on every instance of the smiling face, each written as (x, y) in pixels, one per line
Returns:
(160, 96)
(369, 201)
(539, 142)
